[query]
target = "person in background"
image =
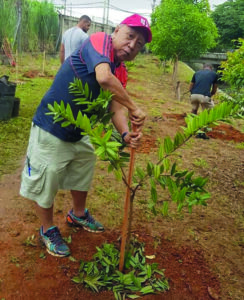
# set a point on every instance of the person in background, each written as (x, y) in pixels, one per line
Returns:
(74, 37)
(202, 87)
(60, 157)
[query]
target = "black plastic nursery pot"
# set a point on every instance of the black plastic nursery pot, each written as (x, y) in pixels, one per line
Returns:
(7, 88)
(6, 108)
(9, 104)
(15, 111)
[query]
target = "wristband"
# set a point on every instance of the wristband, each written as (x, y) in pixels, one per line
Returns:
(123, 136)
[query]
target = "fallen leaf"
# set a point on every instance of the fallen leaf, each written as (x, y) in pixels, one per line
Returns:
(150, 256)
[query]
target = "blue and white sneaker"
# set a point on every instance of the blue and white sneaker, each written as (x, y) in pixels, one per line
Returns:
(87, 222)
(54, 243)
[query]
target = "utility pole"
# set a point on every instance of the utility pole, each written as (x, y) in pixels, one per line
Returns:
(64, 7)
(108, 2)
(153, 5)
(63, 17)
(105, 13)
(19, 8)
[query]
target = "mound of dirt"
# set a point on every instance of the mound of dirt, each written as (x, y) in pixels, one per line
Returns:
(226, 132)
(222, 132)
(31, 74)
(36, 73)
(147, 144)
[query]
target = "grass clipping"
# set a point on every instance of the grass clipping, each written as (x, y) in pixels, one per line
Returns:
(139, 279)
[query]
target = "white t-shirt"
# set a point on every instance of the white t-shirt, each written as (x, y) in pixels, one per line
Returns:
(73, 39)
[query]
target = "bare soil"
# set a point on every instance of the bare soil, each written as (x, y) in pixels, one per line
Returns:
(36, 73)
(202, 253)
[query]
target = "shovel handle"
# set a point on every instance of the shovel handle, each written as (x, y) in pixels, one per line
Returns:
(126, 207)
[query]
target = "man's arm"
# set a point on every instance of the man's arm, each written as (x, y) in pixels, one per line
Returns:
(61, 53)
(193, 80)
(119, 118)
(121, 124)
(191, 86)
(214, 89)
(108, 81)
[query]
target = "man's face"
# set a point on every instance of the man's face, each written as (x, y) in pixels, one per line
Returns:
(127, 42)
(85, 25)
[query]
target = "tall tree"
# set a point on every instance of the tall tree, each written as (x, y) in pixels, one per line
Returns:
(182, 29)
(229, 19)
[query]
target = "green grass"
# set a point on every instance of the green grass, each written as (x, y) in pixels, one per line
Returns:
(185, 72)
(14, 133)
(240, 146)
(200, 162)
(155, 112)
(140, 88)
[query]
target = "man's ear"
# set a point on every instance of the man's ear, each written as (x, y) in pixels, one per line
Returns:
(117, 29)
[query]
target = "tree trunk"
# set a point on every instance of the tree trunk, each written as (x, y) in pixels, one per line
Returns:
(175, 70)
(176, 82)
(19, 7)
(177, 91)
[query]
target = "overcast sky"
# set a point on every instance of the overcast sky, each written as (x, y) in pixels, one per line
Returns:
(79, 7)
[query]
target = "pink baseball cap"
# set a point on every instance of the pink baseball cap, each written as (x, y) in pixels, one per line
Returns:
(139, 21)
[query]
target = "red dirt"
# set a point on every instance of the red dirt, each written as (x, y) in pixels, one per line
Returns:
(226, 132)
(30, 277)
(25, 275)
(175, 116)
(31, 74)
(36, 73)
(147, 143)
(222, 132)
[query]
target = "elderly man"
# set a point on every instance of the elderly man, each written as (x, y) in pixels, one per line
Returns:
(74, 37)
(59, 157)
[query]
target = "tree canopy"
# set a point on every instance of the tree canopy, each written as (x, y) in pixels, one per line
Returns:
(229, 19)
(182, 29)
(233, 68)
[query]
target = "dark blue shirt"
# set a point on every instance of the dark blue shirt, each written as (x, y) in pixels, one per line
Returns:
(203, 81)
(81, 64)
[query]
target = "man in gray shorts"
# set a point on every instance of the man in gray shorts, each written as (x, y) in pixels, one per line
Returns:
(60, 157)
(203, 85)
(74, 37)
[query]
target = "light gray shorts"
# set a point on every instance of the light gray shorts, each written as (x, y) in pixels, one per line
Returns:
(52, 164)
(198, 99)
